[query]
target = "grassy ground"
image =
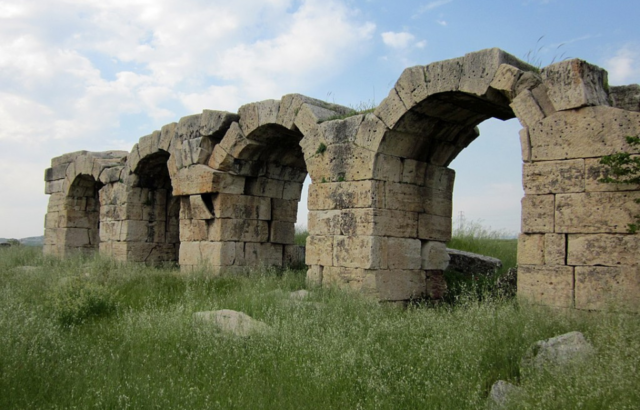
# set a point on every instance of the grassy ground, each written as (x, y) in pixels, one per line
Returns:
(89, 333)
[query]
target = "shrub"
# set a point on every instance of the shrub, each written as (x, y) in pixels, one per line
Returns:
(77, 300)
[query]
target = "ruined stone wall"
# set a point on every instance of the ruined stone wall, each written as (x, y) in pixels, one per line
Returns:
(221, 190)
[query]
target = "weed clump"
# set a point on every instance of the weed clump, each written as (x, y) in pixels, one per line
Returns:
(77, 300)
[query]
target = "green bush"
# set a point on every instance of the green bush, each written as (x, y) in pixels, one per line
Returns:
(77, 300)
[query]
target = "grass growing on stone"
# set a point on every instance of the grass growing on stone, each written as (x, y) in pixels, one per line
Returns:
(143, 350)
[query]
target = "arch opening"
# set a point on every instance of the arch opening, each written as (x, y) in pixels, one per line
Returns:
(82, 216)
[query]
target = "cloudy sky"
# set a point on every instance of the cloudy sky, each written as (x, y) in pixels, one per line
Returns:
(99, 74)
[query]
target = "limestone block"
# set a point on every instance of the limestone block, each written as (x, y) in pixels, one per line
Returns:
(525, 144)
(189, 253)
(59, 201)
(626, 97)
(341, 131)
(220, 159)
(263, 254)
(57, 172)
(245, 230)
(201, 149)
(434, 255)
(440, 179)
(199, 209)
(594, 171)
(596, 212)
(505, 80)
(378, 222)
(242, 207)
(74, 237)
(292, 190)
(293, 255)
(306, 121)
(480, 68)
(185, 207)
(584, 133)
(555, 249)
(608, 288)
(546, 285)
(276, 170)
(527, 109)
(200, 179)
(346, 195)
(133, 160)
(110, 230)
(575, 83)
(434, 227)
(66, 158)
(413, 172)
(391, 109)
(403, 253)
(349, 278)
(443, 76)
(167, 134)
(551, 177)
(254, 115)
(290, 106)
(192, 230)
(189, 127)
(319, 250)
(214, 124)
(265, 187)
(324, 222)
(239, 146)
(400, 285)
(412, 86)
(54, 187)
(344, 162)
(282, 232)
(136, 231)
(540, 93)
(148, 144)
(77, 219)
(172, 167)
(386, 168)
(314, 275)
(538, 213)
(52, 220)
(601, 249)
(531, 249)
(284, 210)
(223, 253)
(371, 133)
(109, 175)
(368, 252)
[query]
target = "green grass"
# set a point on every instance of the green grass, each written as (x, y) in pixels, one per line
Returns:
(143, 351)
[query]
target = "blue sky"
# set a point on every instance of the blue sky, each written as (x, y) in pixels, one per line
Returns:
(99, 74)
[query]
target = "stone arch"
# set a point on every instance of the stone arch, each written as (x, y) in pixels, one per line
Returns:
(249, 218)
(73, 216)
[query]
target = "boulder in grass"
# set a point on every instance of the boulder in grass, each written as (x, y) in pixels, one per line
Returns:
(502, 393)
(232, 322)
(472, 263)
(556, 352)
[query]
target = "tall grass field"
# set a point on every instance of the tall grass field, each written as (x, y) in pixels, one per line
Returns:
(89, 333)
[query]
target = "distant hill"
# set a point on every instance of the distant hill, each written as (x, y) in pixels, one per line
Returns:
(30, 241)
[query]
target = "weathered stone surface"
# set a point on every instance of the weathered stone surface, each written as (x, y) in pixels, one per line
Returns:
(626, 97)
(575, 83)
(434, 227)
(555, 249)
(531, 249)
(378, 222)
(319, 250)
(552, 177)
(594, 171)
(403, 253)
(188, 127)
(601, 249)
(391, 109)
(214, 123)
(199, 209)
(525, 144)
(608, 288)
(324, 222)
(282, 232)
(212, 254)
(346, 195)
(263, 254)
(556, 352)
(434, 255)
(284, 210)
(367, 252)
(471, 263)
(314, 276)
(265, 187)
(245, 230)
(232, 322)
(538, 213)
(392, 285)
(294, 256)
(480, 68)
(583, 133)
(596, 212)
(200, 179)
(546, 285)
(505, 80)
(242, 207)
(527, 109)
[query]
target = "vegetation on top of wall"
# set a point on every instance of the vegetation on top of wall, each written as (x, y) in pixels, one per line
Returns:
(624, 168)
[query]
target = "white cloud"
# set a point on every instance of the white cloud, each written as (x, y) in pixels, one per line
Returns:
(397, 40)
(98, 74)
(442, 23)
(433, 5)
(624, 67)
